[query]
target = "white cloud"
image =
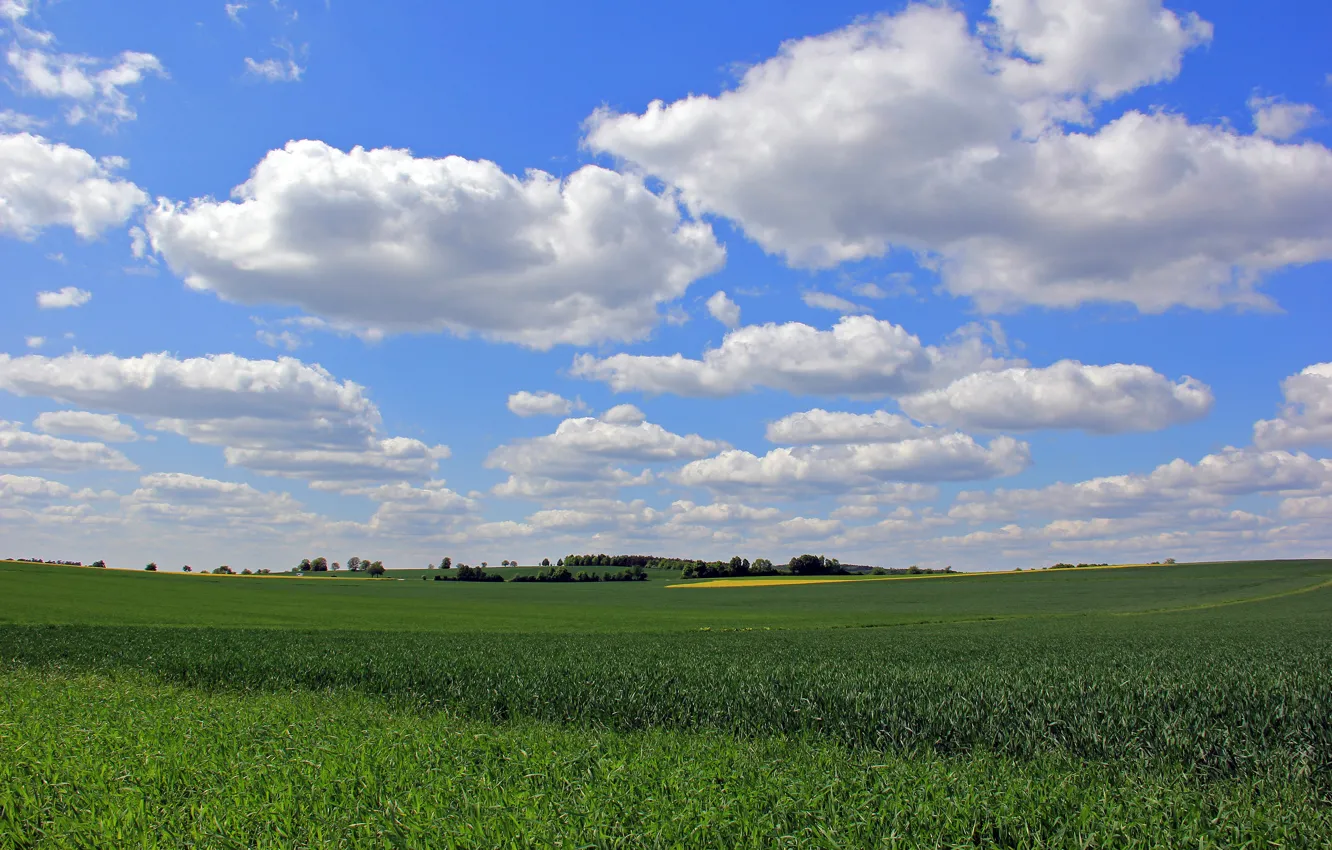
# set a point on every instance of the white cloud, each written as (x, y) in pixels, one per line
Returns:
(176, 498)
(806, 528)
(106, 427)
(1105, 47)
(586, 449)
(23, 449)
(543, 403)
(921, 131)
(723, 309)
(44, 183)
(685, 512)
(68, 296)
(809, 470)
(382, 239)
(1306, 416)
(860, 355)
(278, 417)
(280, 339)
(274, 70)
(97, 87)
(11, 121)
(233, 11)
(1212, 482)
(1101, 399)
(1307, 507)
(836, 303)
(34, 341)
(15, 489)
(1276, 119)
(624, 414)
(385, 459)
(830, 427)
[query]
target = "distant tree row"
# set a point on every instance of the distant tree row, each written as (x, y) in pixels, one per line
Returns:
(468, 573)
(354, 564)
(737, 566)
(57, 563)
(562, 574)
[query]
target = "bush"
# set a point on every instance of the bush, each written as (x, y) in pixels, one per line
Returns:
(376, 569)
(151, 567)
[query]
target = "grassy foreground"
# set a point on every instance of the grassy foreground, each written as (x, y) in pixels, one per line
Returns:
(1180, 706)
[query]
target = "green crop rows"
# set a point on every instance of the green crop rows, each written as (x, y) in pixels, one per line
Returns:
(1209, 725)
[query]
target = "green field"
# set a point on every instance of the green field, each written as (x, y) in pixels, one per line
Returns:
(1164, 706)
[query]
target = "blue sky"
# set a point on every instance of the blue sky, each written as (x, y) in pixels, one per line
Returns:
(984, 284)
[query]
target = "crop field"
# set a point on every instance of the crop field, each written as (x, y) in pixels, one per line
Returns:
(1170, 706)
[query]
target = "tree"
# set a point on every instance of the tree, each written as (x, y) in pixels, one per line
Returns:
(484, 565)
(185, 569)
(446, 564)
(504, 563)
(808, 565)
(335, 566)
(560, 563)
(320, 564)
(545, 562)
(375, 569)
(99, 564)
(152, 567)
(304, 566)
(354, 564)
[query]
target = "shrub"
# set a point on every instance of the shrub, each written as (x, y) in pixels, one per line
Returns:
(151, 567)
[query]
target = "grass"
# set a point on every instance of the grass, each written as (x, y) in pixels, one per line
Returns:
(116, 761)
(1176, 706)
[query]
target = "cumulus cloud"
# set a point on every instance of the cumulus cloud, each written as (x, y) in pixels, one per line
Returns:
(405, 510)
(20, 449)
(1306, 416)
(382, 239)
(543, 403)
(106, 427)
(1276, 119)
(68, 296)
(587, 448)
(1211, 482)
(1101, 399)
(809, 470)
(860, 355)
(831, 427)
(46, 183)
(15, 489)
(178, 499)
(724, 310)
(685, 512)
(34, 341)
(278, 417)
(962, 143)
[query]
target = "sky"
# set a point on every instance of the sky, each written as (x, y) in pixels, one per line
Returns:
(982, 285)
